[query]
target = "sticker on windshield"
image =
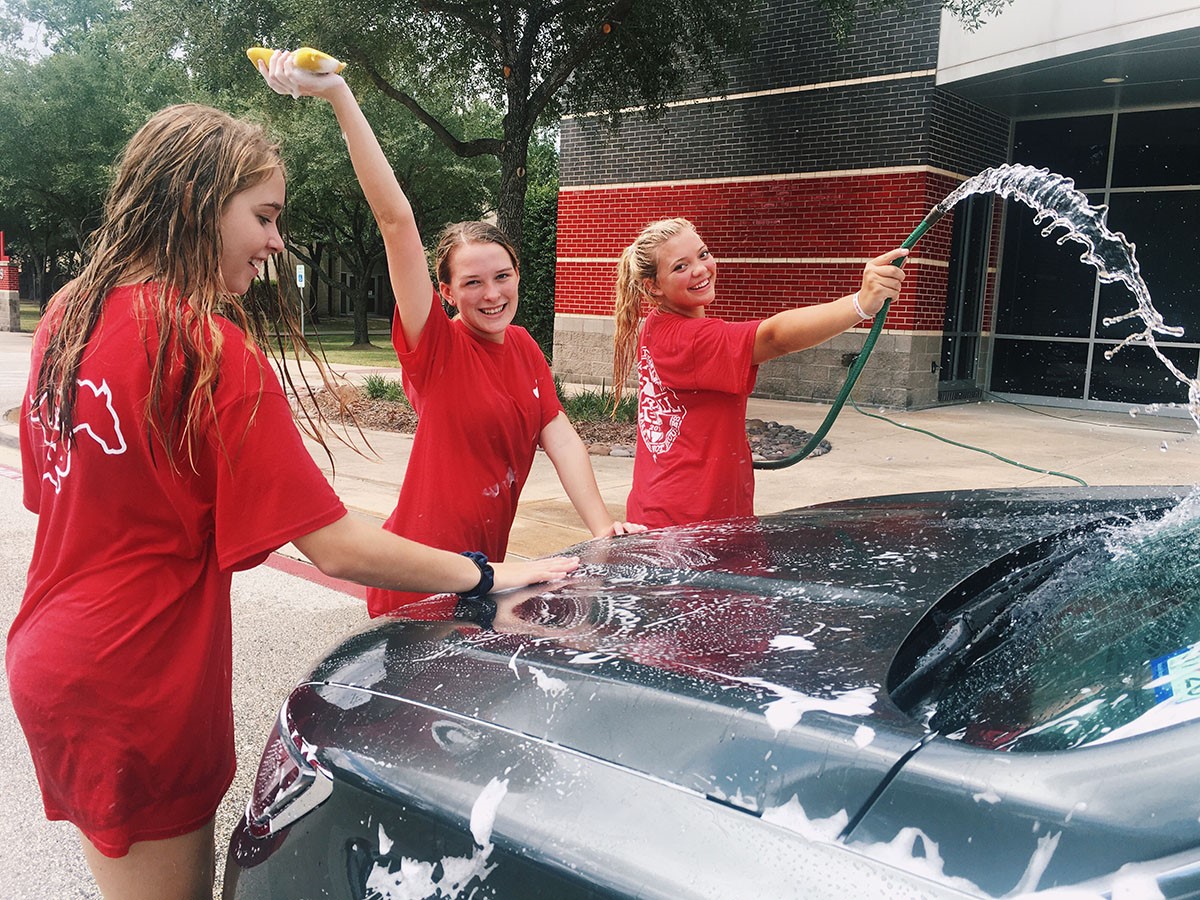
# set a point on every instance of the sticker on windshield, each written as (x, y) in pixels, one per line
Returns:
(1177, 675)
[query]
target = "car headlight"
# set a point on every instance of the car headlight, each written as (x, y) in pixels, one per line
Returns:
(290, 782)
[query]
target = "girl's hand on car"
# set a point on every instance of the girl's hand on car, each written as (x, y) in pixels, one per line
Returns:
(617, 528)
(519, 573)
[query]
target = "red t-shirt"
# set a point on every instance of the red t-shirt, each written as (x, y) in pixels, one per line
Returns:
(481, 408)
(693, 460)
(119, 660)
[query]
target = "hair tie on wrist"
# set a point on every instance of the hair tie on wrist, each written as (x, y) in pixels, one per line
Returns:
(487, 578)
(857, 308)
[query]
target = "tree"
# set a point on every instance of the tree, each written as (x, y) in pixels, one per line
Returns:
(538, 257)
(67, 116)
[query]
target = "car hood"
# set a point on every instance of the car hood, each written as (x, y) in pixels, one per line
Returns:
(746, 660)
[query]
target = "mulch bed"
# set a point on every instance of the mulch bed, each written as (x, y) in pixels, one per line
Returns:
(768, 440)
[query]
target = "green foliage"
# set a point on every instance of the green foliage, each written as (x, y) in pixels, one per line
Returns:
(67, 117)
(596, 405)
(325, 203)
(377, 387)
(539, 257)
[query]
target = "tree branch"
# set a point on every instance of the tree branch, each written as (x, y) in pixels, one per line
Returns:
(571, 60)
(477, 147)
(467, 14)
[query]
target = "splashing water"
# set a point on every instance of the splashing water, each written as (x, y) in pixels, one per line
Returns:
(1055, 198)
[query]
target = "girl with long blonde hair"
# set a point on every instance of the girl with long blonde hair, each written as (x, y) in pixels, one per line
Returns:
(695, 372)
(160, 455)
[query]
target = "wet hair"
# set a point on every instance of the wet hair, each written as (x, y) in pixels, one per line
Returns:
(637, 265)
(461, 233)
(161, 225)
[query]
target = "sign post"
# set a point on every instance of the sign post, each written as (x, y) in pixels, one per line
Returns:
(300, 287)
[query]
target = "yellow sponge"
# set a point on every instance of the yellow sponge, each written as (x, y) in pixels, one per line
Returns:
(306, 58)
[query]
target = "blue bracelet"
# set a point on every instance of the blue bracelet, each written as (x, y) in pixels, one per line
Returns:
(487, 578)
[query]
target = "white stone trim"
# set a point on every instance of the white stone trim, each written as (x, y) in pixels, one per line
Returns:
(774, 92)
(778, 260)
(748, 179)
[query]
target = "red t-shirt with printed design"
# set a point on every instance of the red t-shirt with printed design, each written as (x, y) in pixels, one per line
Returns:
(693, 459)
(482, 406)
(120, 657)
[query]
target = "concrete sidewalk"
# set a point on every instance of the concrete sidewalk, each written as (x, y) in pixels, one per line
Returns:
(869, 456)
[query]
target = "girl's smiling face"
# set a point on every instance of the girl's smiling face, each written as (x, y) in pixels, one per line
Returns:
(687, 275)
(250, 232)
(483, 288)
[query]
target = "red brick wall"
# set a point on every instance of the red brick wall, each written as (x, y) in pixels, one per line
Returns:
(835, 222)
(9, 273)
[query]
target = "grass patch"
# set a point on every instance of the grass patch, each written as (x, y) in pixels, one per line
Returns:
(338, 349)
(30, 315)
(376, 326)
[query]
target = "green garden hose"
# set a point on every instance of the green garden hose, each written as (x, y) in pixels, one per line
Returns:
(861, 360)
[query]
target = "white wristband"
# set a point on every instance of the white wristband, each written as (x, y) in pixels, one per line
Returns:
(857, 308)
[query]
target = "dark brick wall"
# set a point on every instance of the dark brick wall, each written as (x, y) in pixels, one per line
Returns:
(964, 137)
(853, 127)
(794, 45)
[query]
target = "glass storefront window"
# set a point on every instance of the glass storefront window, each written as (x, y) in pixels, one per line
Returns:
(1044, 289)
(1040, 368)
(1077, 148)
(1135, 375)
(1163, 225)
(1160, 147)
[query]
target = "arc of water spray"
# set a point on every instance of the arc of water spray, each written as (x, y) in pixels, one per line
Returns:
(1054, 198)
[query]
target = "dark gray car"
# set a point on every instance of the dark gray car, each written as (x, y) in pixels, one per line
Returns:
(978, 693)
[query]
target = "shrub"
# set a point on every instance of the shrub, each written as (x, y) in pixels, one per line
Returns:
(594, 405)
(377, 387)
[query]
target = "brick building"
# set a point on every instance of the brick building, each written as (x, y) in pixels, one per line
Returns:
(820, 155)
(10, 297)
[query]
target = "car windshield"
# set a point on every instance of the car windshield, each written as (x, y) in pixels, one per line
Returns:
(1103, 643)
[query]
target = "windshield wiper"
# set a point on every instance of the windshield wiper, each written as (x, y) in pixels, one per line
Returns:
(976, 626)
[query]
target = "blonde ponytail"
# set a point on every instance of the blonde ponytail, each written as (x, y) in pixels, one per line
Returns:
(637, 265)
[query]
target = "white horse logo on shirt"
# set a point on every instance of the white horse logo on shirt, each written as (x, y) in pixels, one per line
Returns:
(94, 416)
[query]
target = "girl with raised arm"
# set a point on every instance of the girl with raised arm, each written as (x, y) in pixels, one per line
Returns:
(480, 385)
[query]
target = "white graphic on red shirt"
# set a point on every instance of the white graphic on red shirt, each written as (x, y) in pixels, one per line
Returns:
(510, 478)
(94, 416)
(660, 414)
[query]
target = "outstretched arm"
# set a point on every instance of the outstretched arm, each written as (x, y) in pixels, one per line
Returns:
(799, 329)
(367, 554)
(567, 452)
(407, 265)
